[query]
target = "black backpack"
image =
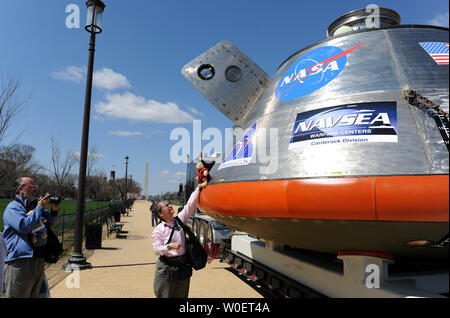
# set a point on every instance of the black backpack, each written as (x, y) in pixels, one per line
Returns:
(196, 253)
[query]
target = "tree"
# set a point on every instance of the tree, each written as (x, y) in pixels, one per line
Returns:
(92, 158)
(10, 107)
(96, 187)
(62, 166)
(120, 185)
(44, 183)
(133, 187)
(16, 161)
(7, 177)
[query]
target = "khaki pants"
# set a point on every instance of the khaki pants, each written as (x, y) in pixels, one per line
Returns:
(23, 277)
(169, 289)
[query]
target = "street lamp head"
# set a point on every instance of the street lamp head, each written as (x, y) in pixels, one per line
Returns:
(95, 10)
(126, 159)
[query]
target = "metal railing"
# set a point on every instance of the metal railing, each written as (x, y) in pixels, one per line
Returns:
(65, 226)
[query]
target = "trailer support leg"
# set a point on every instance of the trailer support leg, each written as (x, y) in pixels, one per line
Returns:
(274, 246)
(369, 268)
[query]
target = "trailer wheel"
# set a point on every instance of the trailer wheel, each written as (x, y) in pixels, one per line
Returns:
(202, 233)
(209, 233)
(195, 226)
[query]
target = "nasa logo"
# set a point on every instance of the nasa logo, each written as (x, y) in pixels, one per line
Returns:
(313, 71)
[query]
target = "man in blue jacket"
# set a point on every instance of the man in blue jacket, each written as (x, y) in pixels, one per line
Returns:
(2, 260)
(24, 272)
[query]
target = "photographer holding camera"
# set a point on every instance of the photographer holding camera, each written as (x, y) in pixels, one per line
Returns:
(24, 271)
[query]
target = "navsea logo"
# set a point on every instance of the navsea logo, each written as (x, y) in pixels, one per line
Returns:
(313, 71)
(361, 123)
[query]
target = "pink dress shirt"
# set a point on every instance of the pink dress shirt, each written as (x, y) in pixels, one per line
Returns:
(161, 233)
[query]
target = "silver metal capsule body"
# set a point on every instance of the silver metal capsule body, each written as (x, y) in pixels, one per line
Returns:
(383, 64)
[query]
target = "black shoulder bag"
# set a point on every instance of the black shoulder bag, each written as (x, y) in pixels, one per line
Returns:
(50, 251)
(196, 253)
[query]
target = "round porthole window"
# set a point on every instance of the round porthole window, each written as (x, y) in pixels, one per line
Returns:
(233, 73)
(206, 72)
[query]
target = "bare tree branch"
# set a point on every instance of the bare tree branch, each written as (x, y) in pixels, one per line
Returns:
(61, 167)
(91, 159)
(10, 107)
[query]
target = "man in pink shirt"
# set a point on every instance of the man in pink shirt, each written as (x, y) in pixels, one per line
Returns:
(173, 272)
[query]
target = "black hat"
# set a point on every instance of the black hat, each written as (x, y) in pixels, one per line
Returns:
(207, 165)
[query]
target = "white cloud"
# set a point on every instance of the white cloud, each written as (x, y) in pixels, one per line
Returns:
(98, 117)
(174, 177)
(133, 107)
(195, 112)
(104, 78)
(108, 79)
(180, 174)
(153, 132)
(163, 174)
(441, 19)
(123, 133)
(126, 105)
(74, 74)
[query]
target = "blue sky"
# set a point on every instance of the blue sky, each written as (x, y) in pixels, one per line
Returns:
(139, 94)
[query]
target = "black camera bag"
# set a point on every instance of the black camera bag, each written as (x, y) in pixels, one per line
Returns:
(196, 253)
(50, 251)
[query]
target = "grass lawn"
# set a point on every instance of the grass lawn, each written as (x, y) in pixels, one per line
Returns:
(67, 207)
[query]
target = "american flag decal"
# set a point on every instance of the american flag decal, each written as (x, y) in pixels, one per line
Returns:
(437, 50)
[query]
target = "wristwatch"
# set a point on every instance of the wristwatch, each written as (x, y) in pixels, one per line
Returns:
(168, 247)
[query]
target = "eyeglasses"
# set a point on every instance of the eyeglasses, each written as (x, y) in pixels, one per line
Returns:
(164, 205)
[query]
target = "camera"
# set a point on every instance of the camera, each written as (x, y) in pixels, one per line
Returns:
(53, 199)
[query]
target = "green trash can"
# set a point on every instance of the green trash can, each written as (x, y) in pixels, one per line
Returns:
(93, 236)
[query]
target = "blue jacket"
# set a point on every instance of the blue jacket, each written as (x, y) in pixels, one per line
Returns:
(17, 226)
(2, 258)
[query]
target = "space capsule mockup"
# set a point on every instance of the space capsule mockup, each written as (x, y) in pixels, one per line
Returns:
(345, 148)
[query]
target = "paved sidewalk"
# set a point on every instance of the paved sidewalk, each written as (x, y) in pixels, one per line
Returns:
(125, 268)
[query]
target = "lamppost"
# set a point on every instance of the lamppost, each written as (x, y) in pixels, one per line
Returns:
(131, 186)
(126, 179)
(77, 261)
